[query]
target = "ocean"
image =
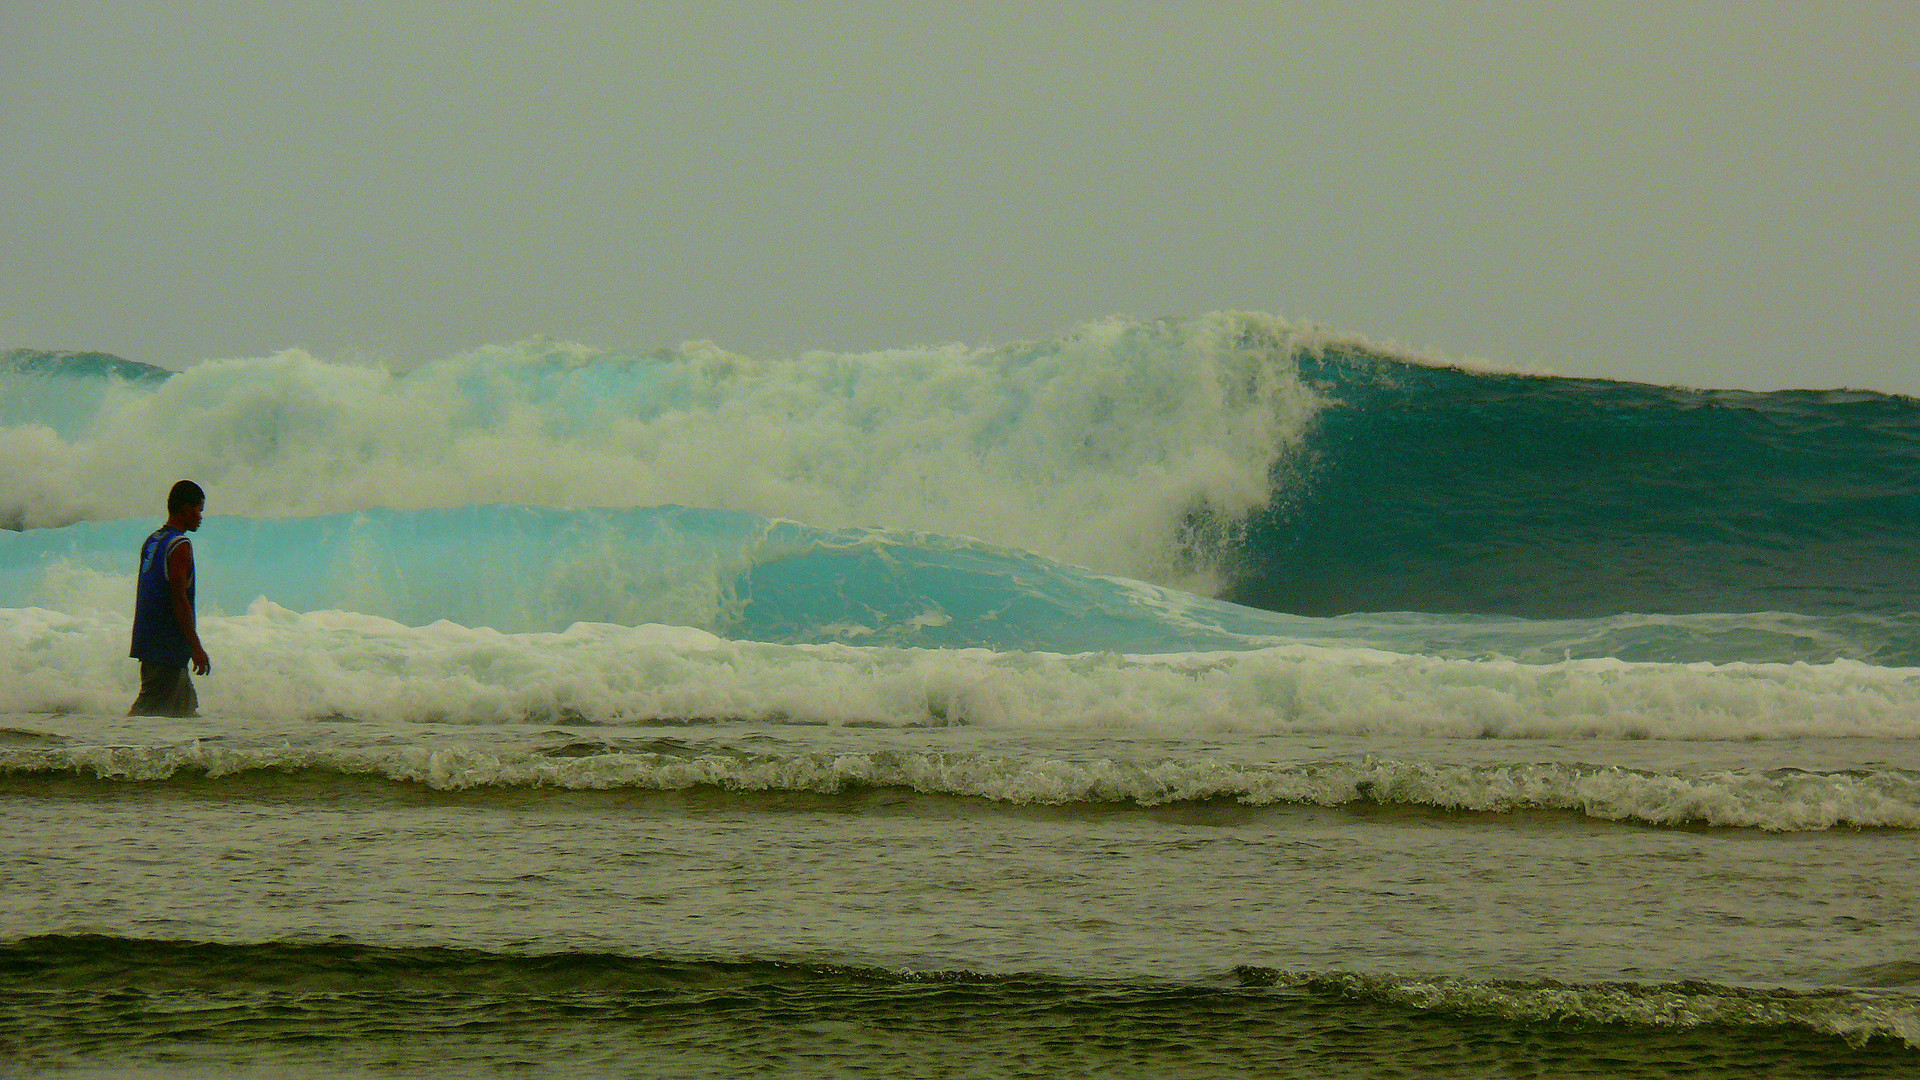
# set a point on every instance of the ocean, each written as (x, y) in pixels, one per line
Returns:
(1182, 698)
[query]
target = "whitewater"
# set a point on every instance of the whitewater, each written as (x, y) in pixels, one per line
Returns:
(1175, 697)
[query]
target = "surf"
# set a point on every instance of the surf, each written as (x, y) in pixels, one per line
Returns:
(1786, 800)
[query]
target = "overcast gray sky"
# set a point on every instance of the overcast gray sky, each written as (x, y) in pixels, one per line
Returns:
(1710, 194)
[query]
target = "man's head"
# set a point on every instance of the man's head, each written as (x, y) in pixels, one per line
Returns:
(184, 504)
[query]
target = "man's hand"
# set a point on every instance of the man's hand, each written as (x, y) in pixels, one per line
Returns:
(201, 665)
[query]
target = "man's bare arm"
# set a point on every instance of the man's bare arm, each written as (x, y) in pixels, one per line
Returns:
(179, 572)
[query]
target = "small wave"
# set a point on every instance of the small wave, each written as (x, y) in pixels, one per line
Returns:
(527, 569)
(1852, 1015)
(100, 962)
(333, 971)
(1778, 801)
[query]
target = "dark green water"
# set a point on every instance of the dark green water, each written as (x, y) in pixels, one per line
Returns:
(174, 1009)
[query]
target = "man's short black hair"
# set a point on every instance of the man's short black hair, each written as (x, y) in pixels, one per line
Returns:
(184, 494)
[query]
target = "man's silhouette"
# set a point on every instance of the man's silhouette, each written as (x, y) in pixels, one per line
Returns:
(164, 635)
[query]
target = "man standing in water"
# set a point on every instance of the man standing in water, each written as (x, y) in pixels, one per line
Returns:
(164, 635)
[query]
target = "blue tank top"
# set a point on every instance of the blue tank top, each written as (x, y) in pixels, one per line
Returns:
(157, 636)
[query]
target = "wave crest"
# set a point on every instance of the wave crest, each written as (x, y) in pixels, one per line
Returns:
(1779, 801)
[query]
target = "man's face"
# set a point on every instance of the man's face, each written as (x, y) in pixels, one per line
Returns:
(190, 517)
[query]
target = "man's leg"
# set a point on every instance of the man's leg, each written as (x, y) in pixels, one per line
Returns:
(165, 690)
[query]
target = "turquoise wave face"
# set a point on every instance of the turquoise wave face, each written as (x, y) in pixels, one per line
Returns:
(1444, 490)
(524, 569)
(741, 576)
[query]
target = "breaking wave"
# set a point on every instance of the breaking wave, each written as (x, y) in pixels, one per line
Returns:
(1784, 800)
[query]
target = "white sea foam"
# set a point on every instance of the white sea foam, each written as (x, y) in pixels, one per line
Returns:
(1093, 450)
(276, 663)
(1789, 802)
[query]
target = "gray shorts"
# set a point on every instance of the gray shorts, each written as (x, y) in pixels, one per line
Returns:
(165, 690)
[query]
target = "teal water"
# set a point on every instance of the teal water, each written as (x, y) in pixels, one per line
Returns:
(1437, 489)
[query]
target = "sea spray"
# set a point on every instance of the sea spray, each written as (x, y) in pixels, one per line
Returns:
(1095, 449)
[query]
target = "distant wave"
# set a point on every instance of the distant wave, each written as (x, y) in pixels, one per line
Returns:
(1779, 801)
(79, 365)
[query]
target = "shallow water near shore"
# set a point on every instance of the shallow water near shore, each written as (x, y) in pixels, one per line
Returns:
(431, 898)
